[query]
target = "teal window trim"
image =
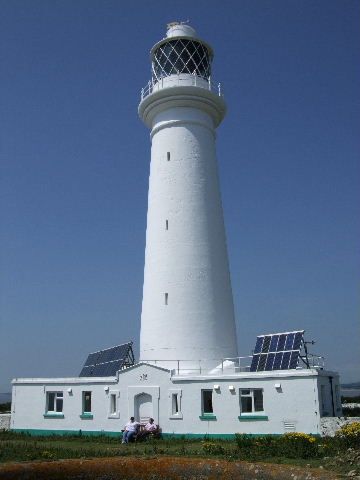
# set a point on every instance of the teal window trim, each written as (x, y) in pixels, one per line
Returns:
(207, 416)
(87, 416)
(252, 418)
(54, 415)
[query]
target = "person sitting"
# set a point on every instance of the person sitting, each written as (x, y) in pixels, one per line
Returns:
(130, 430)
(149, 429)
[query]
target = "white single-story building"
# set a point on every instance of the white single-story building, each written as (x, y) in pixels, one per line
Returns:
(216, 405)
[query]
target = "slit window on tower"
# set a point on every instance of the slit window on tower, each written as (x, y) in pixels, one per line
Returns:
(168, 156)
(167, 224)
(166, 298)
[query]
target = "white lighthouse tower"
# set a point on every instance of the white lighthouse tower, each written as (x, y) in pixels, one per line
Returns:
(187, 309)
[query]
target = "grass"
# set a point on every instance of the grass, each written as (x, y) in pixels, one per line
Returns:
(22, 447)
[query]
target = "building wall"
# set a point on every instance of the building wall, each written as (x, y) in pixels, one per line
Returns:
(291, 402)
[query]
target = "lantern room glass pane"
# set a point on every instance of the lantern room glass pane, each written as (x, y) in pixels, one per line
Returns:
(181, 56)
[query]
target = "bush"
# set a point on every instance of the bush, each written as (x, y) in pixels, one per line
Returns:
(213, 448)
(349, 435)
(298, 445)
(257, 447)
(290, 445)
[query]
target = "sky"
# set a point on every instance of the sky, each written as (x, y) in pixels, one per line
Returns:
(75, 166)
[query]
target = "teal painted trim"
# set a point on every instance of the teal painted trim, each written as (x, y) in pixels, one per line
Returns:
(223, 436)
(87, 416)
(54, 415)
(202, 436)
(45, 433)
(252, 418)
(207, 416)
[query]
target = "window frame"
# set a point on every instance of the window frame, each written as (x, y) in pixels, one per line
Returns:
(254, 413)
(86, 414)
(116, 413)
(56, 412)
(178, 394)
(207, 415)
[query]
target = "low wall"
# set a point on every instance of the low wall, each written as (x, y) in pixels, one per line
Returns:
(329, 425)
(5, 421)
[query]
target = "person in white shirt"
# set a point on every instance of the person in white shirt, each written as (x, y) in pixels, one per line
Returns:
(130, 430)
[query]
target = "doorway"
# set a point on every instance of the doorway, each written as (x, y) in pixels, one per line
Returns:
(143, 407)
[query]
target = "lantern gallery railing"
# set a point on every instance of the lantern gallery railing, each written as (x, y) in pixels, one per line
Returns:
(226, 366)
(181, 79)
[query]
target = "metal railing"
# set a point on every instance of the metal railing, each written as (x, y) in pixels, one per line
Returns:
(315, 361)
(181, 80)
(224, 366)
(202, 367)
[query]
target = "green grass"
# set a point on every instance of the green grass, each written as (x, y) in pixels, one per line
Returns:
(22, 447)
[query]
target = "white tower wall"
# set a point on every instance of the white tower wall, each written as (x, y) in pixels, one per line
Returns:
(187, 310)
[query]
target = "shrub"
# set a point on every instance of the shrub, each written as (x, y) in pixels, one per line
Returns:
(290, 445)
(298, 445)
(349, 435)
(213, 448)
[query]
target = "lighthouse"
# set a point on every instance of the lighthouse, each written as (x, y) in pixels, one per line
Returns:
(187, 309)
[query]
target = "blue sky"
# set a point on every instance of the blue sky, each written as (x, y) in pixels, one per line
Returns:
(75, 166)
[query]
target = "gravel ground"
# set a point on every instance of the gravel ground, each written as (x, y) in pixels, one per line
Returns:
(166, 468)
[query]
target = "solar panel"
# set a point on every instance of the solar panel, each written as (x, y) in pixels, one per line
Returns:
(294, 360)
(278, 351)
(254, 363)
(277, 361)
(270, 361)
(258, 346)
(106, 363)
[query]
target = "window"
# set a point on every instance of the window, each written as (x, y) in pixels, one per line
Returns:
(112, 404)
(168, 156)
(175, 404)
(54, 402)
(167, 225)
(251, 400)
(86, 402)
(207, 403)
(166, 298)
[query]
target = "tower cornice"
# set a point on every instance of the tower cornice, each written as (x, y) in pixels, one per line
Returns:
(182, 96)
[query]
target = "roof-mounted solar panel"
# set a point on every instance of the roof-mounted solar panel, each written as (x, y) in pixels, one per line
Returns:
(258, 346)
(106, 363)
(278, 351)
